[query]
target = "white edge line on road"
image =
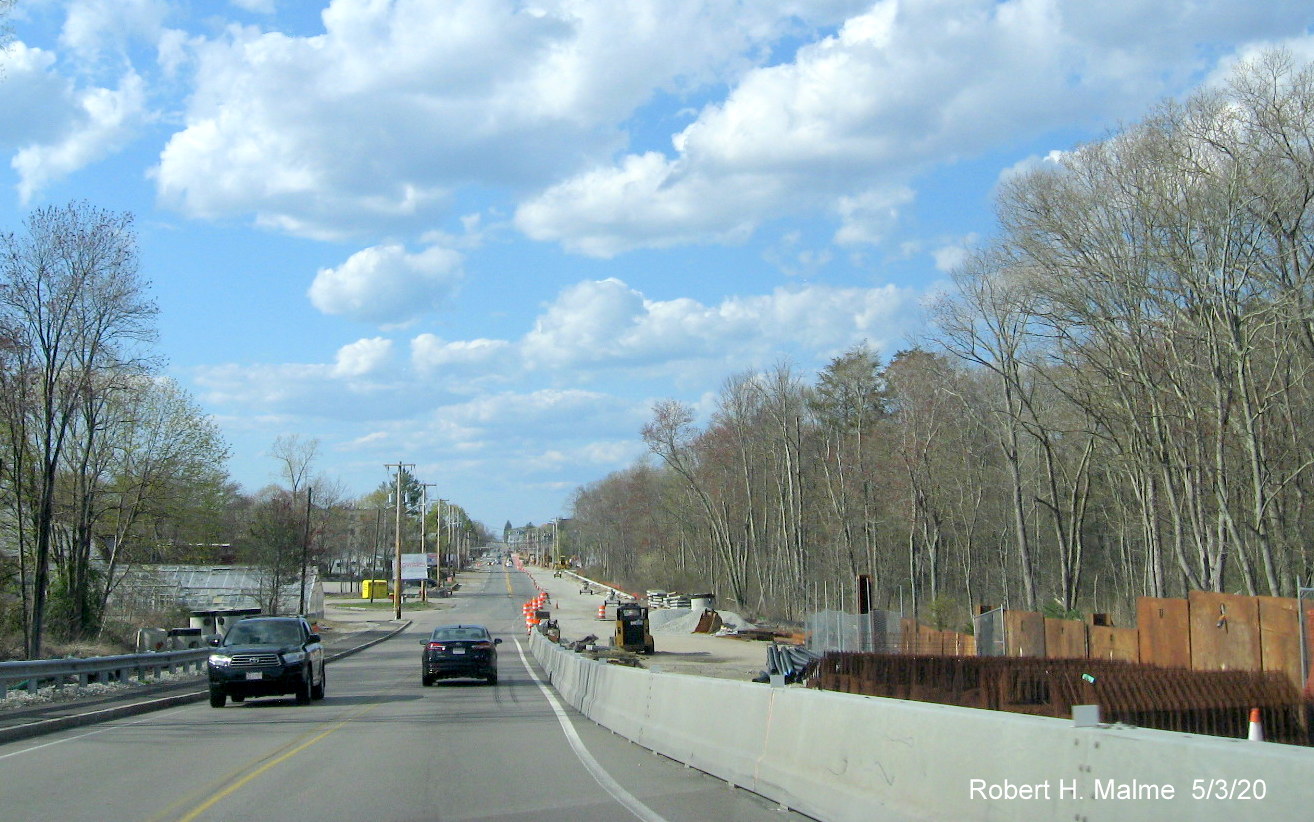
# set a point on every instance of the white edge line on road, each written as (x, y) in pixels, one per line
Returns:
(610, 785)
(75, 737)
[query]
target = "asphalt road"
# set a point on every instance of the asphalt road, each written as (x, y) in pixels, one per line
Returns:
(378, 747)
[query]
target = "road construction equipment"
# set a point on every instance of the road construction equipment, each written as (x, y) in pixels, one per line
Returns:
(632, 629)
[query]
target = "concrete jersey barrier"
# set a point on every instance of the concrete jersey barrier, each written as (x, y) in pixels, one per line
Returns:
(842, 757)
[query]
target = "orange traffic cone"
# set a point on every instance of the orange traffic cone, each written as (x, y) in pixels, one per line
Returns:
(1256, 727)
(602, 612)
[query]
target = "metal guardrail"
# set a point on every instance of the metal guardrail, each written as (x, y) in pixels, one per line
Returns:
(618, 592)
(33, 674)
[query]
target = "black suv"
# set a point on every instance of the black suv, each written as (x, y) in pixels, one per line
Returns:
(267, 656)
(459, 651)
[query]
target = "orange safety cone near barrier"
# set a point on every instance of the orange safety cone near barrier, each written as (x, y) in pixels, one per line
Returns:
(602, 611)
(1256, 727)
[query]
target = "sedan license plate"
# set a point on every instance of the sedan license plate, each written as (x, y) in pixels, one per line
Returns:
(254, 675)
(458, 650)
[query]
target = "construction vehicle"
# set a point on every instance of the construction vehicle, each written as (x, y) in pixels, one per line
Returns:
(632, 629)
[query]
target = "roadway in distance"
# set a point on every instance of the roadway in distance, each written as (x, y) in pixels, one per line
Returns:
(379, 747)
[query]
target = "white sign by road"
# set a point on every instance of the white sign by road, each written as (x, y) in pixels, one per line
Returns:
(413, 566)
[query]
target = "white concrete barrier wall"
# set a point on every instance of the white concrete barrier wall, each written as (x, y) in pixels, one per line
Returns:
(844, 757)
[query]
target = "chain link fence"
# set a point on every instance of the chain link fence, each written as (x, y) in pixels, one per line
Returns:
(876, 632)
(989, 631)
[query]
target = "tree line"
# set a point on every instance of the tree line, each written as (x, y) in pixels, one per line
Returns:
(102, 459)
(1114, 401)
(309, 520)
(105, 463)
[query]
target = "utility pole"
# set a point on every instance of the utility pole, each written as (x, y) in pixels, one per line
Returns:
(397, 587)
(424, 528)
(305, 554)
(374, 551)
(442, 518)
(556, 542)
(450, 545)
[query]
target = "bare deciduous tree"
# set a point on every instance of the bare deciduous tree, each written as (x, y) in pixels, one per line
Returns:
(74, 310)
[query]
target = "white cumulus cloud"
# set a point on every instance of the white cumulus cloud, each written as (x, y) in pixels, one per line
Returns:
(92, 27)
(429, 353)
(376, 120)
(386, 285)
(29, 84)
(106, 120)
(898, 90)
(362, 357)
(607, 324)
(64, 126)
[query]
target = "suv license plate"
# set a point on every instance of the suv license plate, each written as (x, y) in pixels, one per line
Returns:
(254, 675)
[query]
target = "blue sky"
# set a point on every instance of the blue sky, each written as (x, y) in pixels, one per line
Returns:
(485, 236)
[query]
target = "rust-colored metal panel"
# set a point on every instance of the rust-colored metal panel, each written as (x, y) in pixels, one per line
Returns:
(1279, 637)
(1024, 633)
(1224, 632)
(1115, 643)
(1126, 644)
(1164, 628)
(956, 644)
(1101, 642)
(908, 635)
(1199, 702)
(1065, 639)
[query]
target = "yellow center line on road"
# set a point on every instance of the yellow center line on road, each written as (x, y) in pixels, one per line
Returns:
(235, 780)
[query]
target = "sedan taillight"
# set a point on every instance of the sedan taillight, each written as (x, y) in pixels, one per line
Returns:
(437, 646)
(482, 646)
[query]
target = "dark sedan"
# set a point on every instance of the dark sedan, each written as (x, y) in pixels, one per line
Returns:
(267, 656)
(453, 651)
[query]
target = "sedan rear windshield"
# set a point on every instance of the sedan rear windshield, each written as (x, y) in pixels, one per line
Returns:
(453, 634)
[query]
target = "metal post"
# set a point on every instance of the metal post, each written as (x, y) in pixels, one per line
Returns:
(1304, 649)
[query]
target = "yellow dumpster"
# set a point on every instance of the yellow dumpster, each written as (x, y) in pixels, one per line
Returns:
(374, 589)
